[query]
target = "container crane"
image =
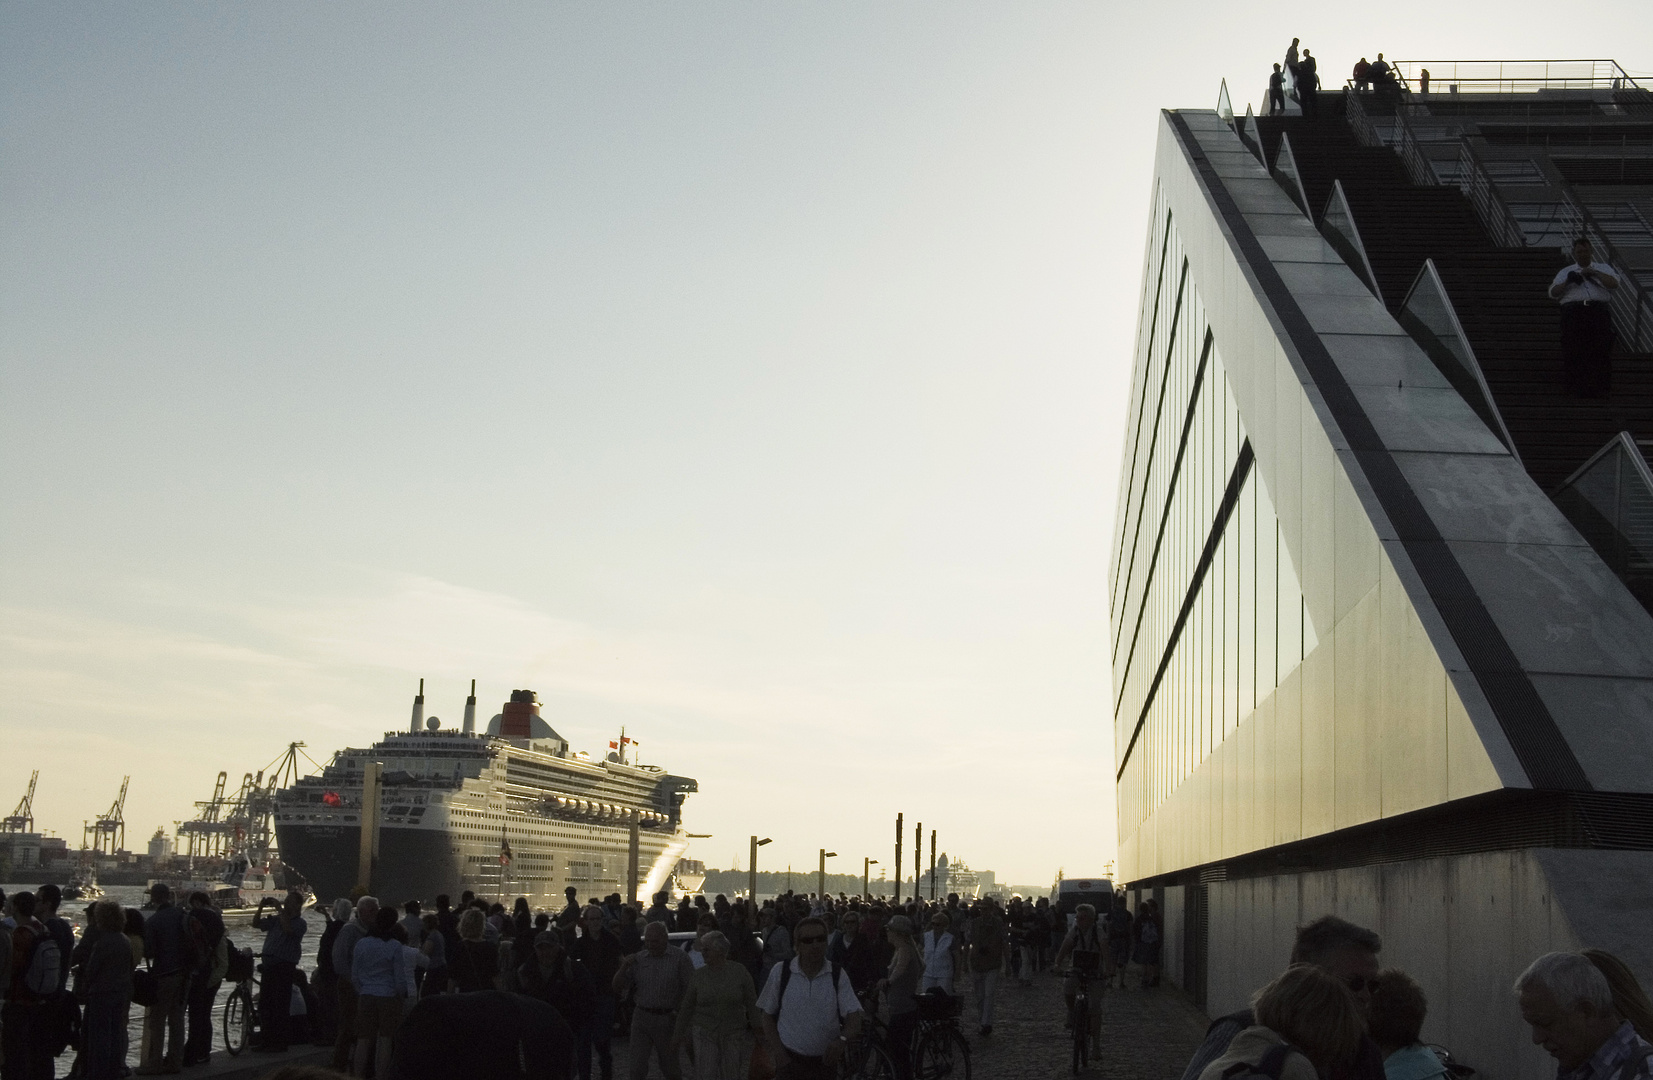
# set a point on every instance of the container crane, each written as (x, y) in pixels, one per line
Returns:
(206, 832)
(107, 834)
(21, 820)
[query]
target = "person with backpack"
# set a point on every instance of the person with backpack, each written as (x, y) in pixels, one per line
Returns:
(1346, 952)
(35, 964)
(206, 927)
(170, 949)
(1307, 1025)
(810, 1011)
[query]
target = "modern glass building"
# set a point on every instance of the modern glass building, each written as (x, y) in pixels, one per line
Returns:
(1376, 637)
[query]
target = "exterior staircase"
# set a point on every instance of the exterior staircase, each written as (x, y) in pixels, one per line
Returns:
(1499, 293)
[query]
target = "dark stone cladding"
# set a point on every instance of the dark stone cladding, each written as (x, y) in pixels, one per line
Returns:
(1526, 721)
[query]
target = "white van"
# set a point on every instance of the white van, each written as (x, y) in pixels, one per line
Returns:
(1067, 894)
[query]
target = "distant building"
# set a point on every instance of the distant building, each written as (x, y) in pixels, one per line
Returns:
(54, 851)
(160, 845)
(1380, 640)
(20, 850)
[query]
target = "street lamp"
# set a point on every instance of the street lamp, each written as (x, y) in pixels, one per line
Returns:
(866, 883)
(752, 869)
(820, 875)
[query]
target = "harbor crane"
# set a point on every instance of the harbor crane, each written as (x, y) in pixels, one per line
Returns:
(21, 820)
(205, 834)
(107, 834)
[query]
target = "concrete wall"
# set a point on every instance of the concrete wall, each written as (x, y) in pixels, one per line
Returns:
(1463, 926)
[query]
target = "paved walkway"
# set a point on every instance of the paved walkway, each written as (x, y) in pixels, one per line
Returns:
(1146, 1035)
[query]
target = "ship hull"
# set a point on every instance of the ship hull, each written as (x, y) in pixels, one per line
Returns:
(423, 863)
(413, 864)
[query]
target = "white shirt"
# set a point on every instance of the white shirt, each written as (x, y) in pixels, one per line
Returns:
(938, 955)
(1572, 294)
(807, 1020)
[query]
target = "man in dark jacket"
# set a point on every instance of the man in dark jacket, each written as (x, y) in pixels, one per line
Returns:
(171, 953)
(554, 978)
(23, 1020)
(599, 951)
(206, 926)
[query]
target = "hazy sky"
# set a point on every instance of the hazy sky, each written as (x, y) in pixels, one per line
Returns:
(751, 376)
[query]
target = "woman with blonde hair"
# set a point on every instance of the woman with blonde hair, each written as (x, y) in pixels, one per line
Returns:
(900, 989)
(105, 985)
(1308, 1025)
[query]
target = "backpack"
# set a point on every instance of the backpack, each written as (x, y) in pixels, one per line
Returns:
(42, 968)
(1269, 1065)
(786, 977)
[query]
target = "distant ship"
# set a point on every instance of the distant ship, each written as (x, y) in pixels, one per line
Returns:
(505, 813)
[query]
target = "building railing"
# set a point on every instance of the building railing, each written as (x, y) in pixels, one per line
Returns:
(1478, 187)
(1512, 76)
(1609, 500)
(1630, 303)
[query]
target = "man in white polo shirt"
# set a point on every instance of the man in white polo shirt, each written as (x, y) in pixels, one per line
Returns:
(810, 1011)
(1585, 289)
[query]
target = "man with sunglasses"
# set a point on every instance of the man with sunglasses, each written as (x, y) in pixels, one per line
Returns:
(810, 1011)
(1348, 953)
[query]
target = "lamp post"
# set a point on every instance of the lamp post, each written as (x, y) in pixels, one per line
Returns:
(866, 879)
(752, 869)
(820, 875)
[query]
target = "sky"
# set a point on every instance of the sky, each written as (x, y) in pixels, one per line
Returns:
(749, 376)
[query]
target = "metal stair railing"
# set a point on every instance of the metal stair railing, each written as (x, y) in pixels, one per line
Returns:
(1478, 187)
(1609, 500)
(1428, 316)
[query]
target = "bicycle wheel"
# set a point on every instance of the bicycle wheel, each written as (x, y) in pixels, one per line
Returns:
(870, 1062)
(1081, 1033)
(942, 1054)
(238, 1020)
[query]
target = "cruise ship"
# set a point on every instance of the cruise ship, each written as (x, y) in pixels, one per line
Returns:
(509, 811)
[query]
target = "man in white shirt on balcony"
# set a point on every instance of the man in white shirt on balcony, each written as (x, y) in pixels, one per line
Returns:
(1585, 289)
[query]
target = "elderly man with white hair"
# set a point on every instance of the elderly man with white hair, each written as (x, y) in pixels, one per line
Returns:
(1568, 1003)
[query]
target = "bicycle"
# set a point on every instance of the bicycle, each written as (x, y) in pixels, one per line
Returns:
(867, 1057)
(1079, 1016)
(940, 1051)
(241, 1008)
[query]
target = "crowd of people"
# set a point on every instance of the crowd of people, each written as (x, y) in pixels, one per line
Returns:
(780, 988)
(1336, 1014)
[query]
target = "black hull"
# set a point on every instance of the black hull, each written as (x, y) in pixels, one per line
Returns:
(413, 864)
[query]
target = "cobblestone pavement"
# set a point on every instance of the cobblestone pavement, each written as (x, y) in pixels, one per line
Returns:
(1146, 1034)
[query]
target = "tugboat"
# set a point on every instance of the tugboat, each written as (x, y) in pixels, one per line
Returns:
(83, 884)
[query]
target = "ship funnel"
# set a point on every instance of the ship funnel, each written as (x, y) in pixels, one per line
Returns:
(470, 711)
(418, 724)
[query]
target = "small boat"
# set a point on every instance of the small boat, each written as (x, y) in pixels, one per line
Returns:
(83, 884)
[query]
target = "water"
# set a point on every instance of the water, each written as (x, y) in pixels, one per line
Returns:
(241, 935)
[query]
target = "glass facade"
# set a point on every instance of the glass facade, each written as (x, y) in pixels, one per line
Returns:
(1207, 616)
